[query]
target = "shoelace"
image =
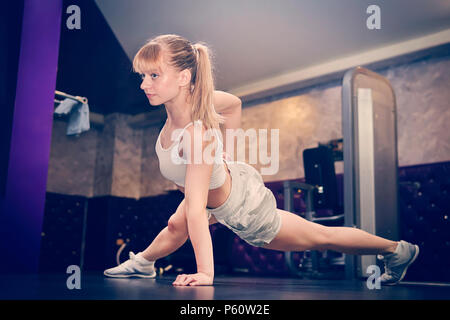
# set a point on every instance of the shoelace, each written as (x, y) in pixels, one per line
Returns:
(388, 273)
(126, 264)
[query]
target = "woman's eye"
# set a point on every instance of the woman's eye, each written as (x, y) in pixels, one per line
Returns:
(153, 75)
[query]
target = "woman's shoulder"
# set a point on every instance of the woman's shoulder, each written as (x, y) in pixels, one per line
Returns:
(201, 132)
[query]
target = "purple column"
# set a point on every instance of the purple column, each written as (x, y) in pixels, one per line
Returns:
(23, 206)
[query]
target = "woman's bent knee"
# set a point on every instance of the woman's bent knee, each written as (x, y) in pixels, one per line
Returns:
(177, 224)
(171, 225)
(177, 221)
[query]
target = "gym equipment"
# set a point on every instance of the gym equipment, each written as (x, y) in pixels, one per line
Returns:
(320, 190)
(369, 127)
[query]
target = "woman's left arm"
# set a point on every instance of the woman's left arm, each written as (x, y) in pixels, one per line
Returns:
(197, 180)
(229, 106)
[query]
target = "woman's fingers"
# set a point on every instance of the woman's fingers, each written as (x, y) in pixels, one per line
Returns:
(195, 283)
(179, 279)
(188, 280)
(183, 280)
(198, 279)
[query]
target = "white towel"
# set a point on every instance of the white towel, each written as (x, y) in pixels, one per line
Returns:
(78, 115)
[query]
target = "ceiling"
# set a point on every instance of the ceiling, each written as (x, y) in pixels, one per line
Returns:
(260, 48)
(261, 41)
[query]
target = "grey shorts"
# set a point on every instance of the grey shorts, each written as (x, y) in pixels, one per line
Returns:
(250, 210)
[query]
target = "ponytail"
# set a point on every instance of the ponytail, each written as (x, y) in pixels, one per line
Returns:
(203, 89)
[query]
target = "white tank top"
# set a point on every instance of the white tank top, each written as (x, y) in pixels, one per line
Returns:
(173, 167)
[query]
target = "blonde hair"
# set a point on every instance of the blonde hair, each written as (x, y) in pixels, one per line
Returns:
(179, 53)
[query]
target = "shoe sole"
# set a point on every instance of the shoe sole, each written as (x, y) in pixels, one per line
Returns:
(406, 268)
(134, 275)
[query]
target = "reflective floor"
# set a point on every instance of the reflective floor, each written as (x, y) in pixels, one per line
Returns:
(94, 286)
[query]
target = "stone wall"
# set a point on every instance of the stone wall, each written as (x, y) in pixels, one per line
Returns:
(120, 161)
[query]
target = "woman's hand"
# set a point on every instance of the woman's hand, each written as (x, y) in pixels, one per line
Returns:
(197, 279)
(226, 156)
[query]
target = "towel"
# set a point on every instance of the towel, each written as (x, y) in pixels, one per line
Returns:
(78, 115)
(66, 106)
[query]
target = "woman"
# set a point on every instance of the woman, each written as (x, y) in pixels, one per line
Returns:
(179, 75)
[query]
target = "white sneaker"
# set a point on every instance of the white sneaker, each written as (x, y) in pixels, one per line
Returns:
(136, 266)
(396, 264)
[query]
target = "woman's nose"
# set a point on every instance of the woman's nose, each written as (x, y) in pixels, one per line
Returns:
(145, 84)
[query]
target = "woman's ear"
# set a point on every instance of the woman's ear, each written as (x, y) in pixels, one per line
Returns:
(184, 78)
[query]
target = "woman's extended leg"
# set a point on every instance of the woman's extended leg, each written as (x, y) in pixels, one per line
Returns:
(298, 234)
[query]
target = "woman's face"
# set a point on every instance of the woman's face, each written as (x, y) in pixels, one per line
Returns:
(161, 84)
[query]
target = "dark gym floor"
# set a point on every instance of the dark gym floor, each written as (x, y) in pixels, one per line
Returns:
(94, 286)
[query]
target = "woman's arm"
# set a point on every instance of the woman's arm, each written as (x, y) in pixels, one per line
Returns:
(230, 107)
(197, 180)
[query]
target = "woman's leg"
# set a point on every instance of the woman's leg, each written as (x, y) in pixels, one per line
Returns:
(298, 234)
(171, 237)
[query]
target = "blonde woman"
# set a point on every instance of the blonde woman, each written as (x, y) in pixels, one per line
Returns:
(178, 75)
